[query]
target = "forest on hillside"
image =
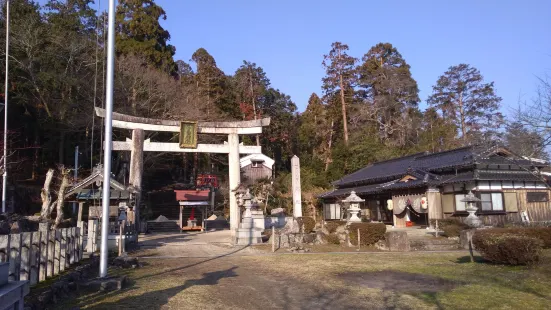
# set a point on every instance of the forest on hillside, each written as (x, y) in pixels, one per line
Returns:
(368, 110)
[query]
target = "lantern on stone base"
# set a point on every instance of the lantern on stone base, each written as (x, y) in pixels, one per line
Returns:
(472, 220)
(354, 206)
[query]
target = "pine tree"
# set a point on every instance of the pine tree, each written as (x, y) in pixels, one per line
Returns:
(139, 33)
(463, 97)
(313, 129)
(340, 74)
(390, 91)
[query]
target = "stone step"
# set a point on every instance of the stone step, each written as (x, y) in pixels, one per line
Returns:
(436, 244)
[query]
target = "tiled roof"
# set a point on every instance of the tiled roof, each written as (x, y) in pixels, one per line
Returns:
(426, 167)
(381, 170)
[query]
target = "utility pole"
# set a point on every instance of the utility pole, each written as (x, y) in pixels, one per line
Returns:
(5, 176)
(106, 190)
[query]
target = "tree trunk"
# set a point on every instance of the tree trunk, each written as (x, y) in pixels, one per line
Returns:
(462, 116)
(61, 195)
(45, 195)
(328, 158)
(344, 118)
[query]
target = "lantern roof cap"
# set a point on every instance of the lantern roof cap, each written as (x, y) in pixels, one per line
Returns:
(353, 198)
(470, 198)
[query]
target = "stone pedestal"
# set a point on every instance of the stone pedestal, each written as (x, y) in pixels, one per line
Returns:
(397, 241)
(354, 215)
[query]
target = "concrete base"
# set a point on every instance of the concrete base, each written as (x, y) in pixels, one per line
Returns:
(246, 236)
(107, 284)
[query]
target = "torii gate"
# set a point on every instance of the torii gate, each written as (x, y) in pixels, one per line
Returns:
(137, 145)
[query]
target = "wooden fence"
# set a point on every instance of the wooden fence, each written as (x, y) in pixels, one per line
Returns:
(36, 256)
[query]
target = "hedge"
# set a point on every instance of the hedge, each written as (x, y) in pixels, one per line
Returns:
(332, 239)
(332, 226)
(370, 233)
(506, 248)
(541, 233)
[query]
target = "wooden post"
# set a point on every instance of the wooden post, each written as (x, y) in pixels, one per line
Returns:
(121, 228)
(136, 170)
(273, 239)
(181, 219)
(35, 257)
(24, 268)
(80, 208)
(15, 257)
(358, 239)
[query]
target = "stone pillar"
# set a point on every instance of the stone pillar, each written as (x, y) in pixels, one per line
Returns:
(297, 194)
(234, 179)
(91, 244)
(136, 170)
(434, 202)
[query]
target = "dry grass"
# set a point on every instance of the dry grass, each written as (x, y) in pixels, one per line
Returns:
(316, 281)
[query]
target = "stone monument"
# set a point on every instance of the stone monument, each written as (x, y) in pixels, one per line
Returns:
(297, 194)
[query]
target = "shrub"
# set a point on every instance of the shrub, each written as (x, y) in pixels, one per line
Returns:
(332, 239)
(505, 248)
(308, 223)
(541, 233)
(453, 230)
(332, 226)
(370, 233)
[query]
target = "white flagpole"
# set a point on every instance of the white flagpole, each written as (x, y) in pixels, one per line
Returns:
(106, 190)
(5, 176)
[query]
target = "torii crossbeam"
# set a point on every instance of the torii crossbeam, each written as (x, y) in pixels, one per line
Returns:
(137, 145)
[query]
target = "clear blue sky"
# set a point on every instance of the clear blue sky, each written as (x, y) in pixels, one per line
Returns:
(508, 41)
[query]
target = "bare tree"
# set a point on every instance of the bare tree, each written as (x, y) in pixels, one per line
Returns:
(46, 195)
(536, 115)
(61, 195)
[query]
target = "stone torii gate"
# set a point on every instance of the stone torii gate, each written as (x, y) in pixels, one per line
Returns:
(137, 145)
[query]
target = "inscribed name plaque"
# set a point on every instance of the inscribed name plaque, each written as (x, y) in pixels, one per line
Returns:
(188, 135)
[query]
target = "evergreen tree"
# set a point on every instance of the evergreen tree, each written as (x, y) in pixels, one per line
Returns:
(390, 91)
(139, 33)
(436, 134)
(464, 98)
(339, 75)
(211, 84)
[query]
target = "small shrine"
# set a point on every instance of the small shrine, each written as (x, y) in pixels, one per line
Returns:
(193, 208)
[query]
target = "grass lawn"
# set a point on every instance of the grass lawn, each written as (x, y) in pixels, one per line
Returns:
(329, 281)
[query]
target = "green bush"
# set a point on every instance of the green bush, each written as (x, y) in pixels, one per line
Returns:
(332, 239)
(370, 233)
(453, 230)
(541, 233)
(309, 224)
(506, 248)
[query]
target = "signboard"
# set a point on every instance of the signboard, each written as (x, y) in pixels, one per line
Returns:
(188, 135)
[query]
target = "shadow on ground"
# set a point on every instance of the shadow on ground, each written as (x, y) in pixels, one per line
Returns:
(157, 299)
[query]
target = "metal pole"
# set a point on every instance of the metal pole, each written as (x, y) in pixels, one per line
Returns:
(75, 175)
(5, 176)
(108, 139)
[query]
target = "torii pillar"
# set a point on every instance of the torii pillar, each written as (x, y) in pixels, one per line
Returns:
(234, 179)
(136, 171)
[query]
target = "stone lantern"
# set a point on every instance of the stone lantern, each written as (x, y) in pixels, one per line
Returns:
(354, 206)
(472, 220)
